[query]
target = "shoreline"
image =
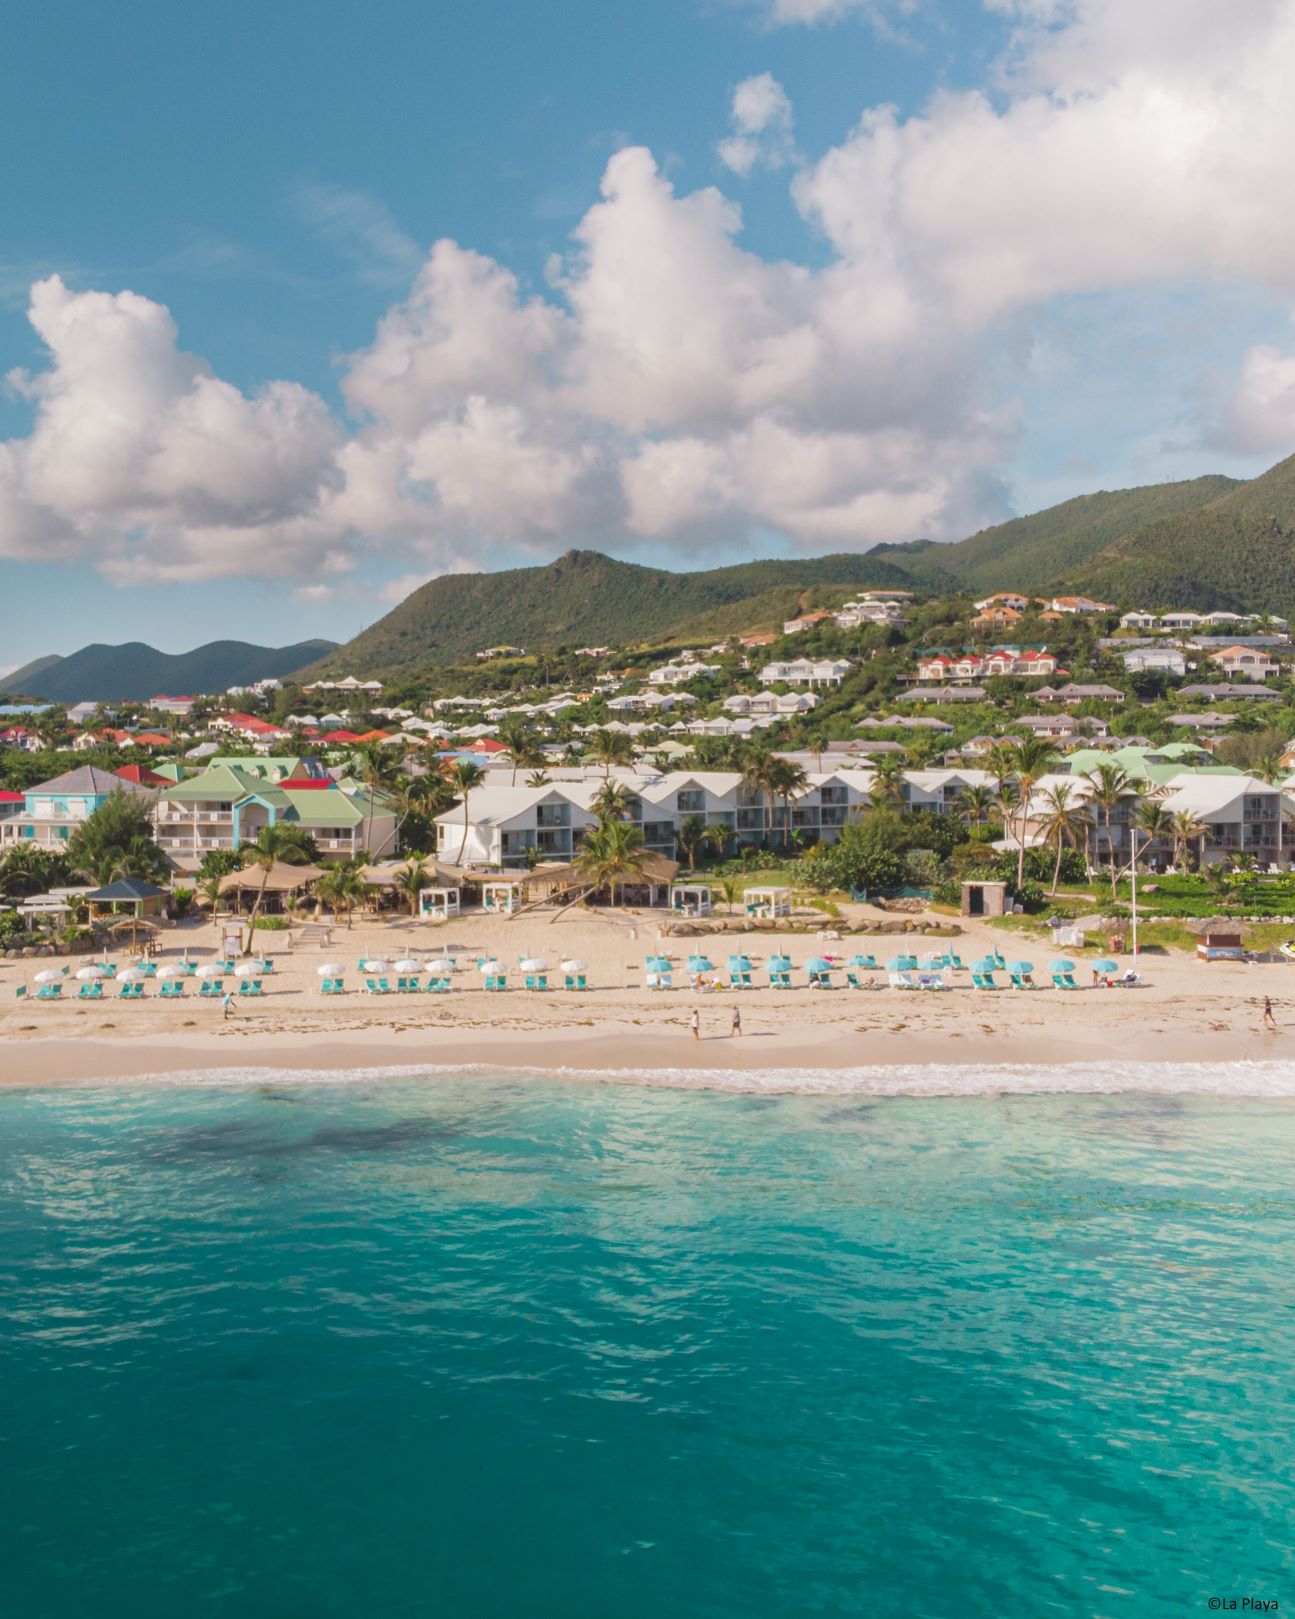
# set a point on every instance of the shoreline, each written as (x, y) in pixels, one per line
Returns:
(804, 1060)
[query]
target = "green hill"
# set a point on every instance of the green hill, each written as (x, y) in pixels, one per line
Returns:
(102, 674)
(587, 597)
(1032, 553)
(1235, 553)
(18, 681)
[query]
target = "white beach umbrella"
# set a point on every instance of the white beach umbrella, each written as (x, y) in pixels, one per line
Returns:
(330, 969)
(490, 968)
(440, 966)
(377, 965)
(249, 969)
(132, 975)
(407, 965)
(575, 966)
(533, 964)
(88, 974)
(172, 971)
(211, 970)
(49, 976)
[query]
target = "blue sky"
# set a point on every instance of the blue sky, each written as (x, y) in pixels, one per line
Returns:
(1019, 283)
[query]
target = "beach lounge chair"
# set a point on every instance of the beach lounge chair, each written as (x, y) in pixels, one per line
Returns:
(148, 968)
(20, 992)
(210, 988)
(904, 980)
(573, 981)
(49, 992)
(496, 981)
(268, 963)
(90, 992)
(132, 991)
(931, 981)
(1129, 980)
(404, 984)
(173, 989)
(1023, 981)
(438, 986)
(1064, 981)
(109, 968)
(249, 986)
(190, 968)
(983, 980)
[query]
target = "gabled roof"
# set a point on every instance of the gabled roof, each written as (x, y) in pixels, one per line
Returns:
(126, 888)
(87, 781)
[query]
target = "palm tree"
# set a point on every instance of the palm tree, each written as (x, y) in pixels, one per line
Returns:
(1153, 820)
(467, 777)
(1000, 763)
(787, 780)
(612, 801)
(976, 804)
(817, 745)
(757, 768)
(1268, 766)
(887, 781)
(1110, 786)
(371, 762)
(1063, 823)
(610, 854)
(694, 835)
(1184, 827)
(343, 887)
(538, 778)
(278, 844)
(730, 887)
(410, 881)
(611, 748)
(1031, 757)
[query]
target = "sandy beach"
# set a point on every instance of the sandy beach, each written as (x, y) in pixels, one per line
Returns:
(1186, 1012)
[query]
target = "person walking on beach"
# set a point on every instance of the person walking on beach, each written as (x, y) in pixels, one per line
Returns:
(694, 1023)
(737, 1023)
(1270, 1022)
(227, 1001)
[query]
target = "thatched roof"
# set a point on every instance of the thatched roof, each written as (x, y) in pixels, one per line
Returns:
(282, 879)
(1217, 924)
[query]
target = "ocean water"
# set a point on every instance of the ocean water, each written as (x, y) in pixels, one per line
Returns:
(498, 1346)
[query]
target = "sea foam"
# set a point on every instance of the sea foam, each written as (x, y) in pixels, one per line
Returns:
(1240, 1079)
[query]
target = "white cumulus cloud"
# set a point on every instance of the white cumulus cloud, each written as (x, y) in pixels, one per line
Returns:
(762, 120)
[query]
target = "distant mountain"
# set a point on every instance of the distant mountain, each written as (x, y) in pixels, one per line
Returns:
(585, 597)
(1236, 553)
(17, 681)
(104, 674)
(1033, 553)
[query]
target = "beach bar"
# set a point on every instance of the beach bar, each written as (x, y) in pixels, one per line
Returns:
(692, 899)
(769, 903)
(1219, 939)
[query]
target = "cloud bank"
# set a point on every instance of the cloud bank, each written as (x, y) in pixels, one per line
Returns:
(669, 385)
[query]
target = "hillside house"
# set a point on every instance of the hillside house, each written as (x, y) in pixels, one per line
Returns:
(52, 810)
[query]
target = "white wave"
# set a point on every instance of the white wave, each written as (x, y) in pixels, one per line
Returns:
(1239, 1079)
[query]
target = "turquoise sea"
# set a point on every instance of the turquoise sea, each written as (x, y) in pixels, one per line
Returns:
(508, 1347)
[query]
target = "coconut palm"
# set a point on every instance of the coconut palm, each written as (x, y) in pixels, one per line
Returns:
(976, 805)
(612, 802)
(1184, 828)
(611, 854)
(372, 763)
(1153, 821)
(1031, 757)
(757, 774)
(786, 780)
(466, 777)
(410, 881)
(1064, 821)
(610, 748)
(538, 778)
(279, 844)
(1109, 787)
(887, 788)
(694, 835)
(343, 887)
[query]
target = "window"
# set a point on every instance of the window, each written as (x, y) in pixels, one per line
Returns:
(691, 801)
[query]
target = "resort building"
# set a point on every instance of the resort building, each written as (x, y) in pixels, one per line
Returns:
(1171, 660)
(807, 672)
(52, 811)
(1250, 663)
(227, 806)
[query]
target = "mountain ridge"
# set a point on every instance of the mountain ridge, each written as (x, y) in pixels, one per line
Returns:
(101, 673)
